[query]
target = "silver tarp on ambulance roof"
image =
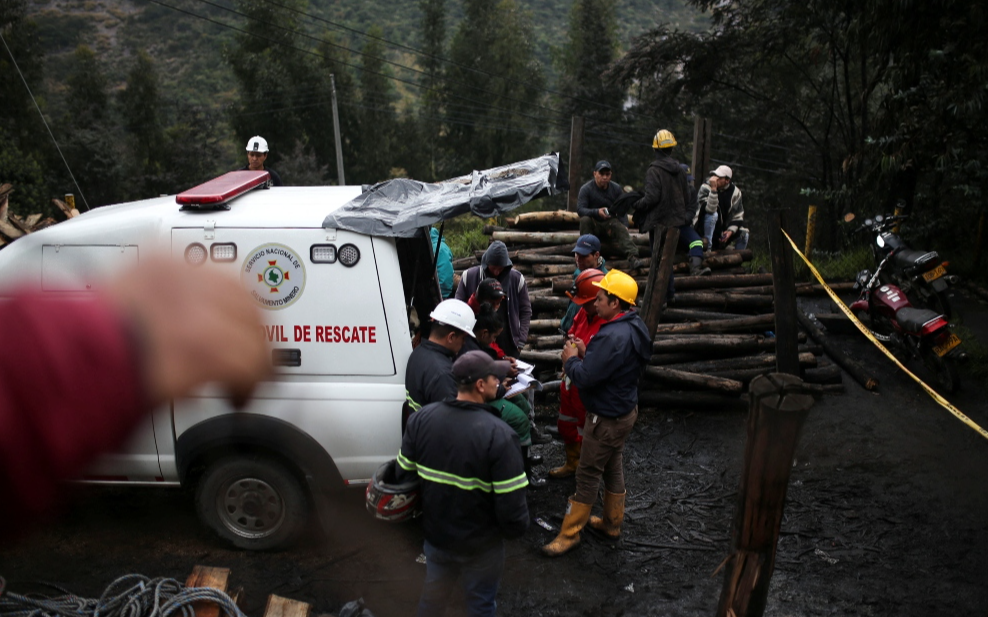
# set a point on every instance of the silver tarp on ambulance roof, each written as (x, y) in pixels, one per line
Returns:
(401, 207)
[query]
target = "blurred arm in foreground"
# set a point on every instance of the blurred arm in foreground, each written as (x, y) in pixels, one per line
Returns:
(76, 376)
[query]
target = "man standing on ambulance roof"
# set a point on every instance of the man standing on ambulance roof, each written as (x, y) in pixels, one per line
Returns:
(257, 153)
(429, 372)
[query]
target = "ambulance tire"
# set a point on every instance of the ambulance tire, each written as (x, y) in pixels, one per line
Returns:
(253, 502)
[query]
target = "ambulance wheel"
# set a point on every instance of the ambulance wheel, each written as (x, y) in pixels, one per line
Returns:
(253, 502)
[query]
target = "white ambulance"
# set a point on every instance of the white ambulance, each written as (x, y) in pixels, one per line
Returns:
(336, 306)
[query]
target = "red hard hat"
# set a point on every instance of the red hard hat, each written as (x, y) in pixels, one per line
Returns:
(583, 290)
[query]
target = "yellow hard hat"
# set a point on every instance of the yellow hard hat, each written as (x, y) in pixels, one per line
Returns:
(664, 139)
(619, 284)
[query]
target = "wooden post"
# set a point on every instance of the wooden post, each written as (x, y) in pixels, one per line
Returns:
(810, 231)
(283, 607)
(784, 284)
(702, 138)
(777, 409)
(341, 179)
(657, 285)
(575, 161)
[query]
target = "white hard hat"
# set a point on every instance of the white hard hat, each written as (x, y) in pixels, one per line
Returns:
(722, 172)
(257, 144)
(455, 313)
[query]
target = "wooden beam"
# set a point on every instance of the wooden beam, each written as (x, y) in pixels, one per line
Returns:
(283, 607)
(657, 287)
(214, 578)
(784, 282)
(575, 161)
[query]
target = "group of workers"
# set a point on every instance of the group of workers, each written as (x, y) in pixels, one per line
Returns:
(473, 468)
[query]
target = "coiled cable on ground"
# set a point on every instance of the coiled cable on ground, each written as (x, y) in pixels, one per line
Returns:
(132, 595)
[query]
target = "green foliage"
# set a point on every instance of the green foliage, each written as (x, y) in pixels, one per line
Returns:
(25, 172)
(465, 234)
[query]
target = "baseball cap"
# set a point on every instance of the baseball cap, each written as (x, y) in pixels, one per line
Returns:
(601, 165)
(489, 289)
(474, 365)
(586, 244)
(723, 172)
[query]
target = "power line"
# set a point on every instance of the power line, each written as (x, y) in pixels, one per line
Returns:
(443, 59)
(55, 141)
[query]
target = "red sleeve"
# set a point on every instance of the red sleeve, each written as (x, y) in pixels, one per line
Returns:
(497, 350)
(70, 388)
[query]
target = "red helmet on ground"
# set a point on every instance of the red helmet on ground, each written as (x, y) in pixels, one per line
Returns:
(584, 290)
(390, 500)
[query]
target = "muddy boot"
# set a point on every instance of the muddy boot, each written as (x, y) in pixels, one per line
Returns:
(572, 461)
(696, 267)
(610, 523)
(576, 517)
(538, 437)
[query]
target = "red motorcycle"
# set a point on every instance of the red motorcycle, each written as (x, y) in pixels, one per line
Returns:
(922, 333)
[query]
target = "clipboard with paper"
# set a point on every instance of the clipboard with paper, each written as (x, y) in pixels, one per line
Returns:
(524, 380)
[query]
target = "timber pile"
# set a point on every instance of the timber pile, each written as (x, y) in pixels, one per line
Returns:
(715, 335)
(13, 227)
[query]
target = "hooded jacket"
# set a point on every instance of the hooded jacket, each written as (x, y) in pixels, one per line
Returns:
(519, 307)
(607, 376)
(444, 265)
(666, 197)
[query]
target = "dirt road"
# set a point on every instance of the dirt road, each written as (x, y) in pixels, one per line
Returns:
(886, 516)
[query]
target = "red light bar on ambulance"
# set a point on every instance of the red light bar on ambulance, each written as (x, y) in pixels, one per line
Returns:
(215, 194)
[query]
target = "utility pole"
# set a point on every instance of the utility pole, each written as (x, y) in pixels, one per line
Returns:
(575, 161)
(702, 137)
(336, 129)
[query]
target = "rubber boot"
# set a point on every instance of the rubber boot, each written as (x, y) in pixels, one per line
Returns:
(533, 480)
(610, 523)
(576, 517)
(696, 266)
(572, 461)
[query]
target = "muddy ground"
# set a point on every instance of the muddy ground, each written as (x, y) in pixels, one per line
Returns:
(886, 516)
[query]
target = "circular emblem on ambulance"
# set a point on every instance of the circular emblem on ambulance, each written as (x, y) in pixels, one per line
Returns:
(274, 275)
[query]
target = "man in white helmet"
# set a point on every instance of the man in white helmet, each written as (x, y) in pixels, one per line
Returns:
(429, 373)
(257, 153)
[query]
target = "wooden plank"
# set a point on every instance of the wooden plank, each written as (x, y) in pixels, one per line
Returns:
(283, 607)
(214, 578)
(784, 282)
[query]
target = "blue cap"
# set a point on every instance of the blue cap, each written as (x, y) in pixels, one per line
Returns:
(586, 245)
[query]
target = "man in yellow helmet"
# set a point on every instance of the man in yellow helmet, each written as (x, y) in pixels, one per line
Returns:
(667, 193)
(606, 371)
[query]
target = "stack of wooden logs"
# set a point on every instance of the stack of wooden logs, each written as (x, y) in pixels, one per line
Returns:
(13, 227)
(714, 336)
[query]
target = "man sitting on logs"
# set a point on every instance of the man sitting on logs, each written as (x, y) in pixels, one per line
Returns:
(593, 205)
(607, 372)
(572, 412)
(587, 255)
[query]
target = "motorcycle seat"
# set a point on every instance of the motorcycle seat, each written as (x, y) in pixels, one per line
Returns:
(913, 319)
(909, 258)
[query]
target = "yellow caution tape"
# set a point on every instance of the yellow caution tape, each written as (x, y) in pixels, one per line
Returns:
(864, 330)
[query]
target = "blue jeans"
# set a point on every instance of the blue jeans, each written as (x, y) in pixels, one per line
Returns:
(709, 224)
(479, 576)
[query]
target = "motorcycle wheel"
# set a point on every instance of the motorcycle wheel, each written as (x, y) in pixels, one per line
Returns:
(948, 379)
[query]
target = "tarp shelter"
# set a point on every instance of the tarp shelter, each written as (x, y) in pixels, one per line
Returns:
(402, 207)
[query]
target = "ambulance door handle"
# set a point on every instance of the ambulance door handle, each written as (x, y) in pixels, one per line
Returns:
(286, 357)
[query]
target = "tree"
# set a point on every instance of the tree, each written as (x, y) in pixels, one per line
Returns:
(332, 63)
(496, 119)
(433, 50)
(139, 106)
(278, 79)
(378, 119)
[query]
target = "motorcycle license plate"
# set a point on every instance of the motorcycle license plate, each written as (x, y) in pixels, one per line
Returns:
(953, 341)
(934, 274)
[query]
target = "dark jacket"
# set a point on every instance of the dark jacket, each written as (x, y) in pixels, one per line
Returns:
(517, 305)
(275, 178)
(607, 376)
(592, 198)
(473, 476)
(666, 195)
(429, 376)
